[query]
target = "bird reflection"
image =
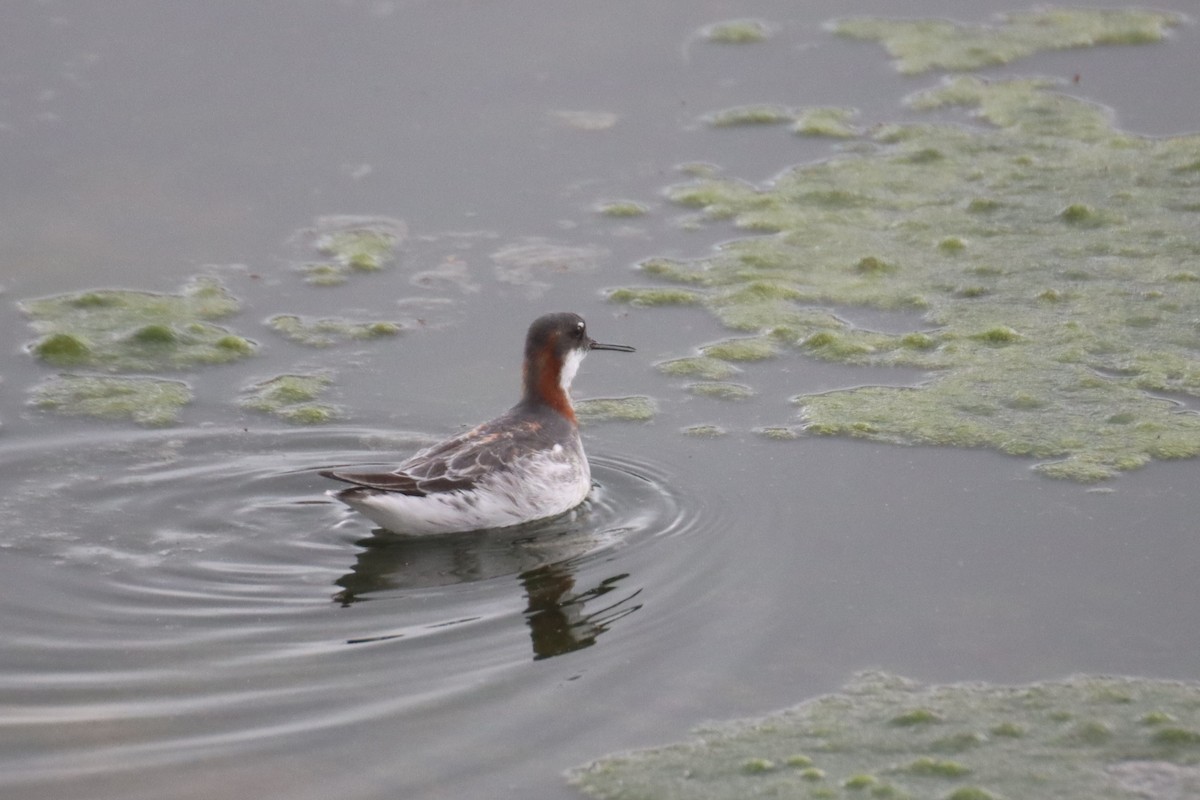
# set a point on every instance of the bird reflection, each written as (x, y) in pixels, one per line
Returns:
(559, 621)
(560, 617)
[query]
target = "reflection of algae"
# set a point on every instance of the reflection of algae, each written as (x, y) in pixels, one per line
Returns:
(127, 331)
(1053, 256)
(146, 401)
(291, 397)
(1085, 737)
(920, 45)
(637, 408)
(329, 331)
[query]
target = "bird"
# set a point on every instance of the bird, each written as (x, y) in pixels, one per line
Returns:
(526, 464)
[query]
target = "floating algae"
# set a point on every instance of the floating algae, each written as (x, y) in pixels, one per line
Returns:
(705, 431)
(778, 433)
(622, 209)
(738, 31)
(655, 296)
(921, 45)
(1051, 256)
(753, 349)
(127, 331)
(706, 367)
(1084, 737)
(329, 331)
(146, 401)
(721, 390)
(291, 397)
(830, 122)
(350, 244)
(637, 408)
(763, 114)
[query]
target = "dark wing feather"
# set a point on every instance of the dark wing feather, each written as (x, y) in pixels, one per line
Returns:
(455, 464)
(384, 481)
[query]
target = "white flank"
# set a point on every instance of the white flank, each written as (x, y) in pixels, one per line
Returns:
(543, 485)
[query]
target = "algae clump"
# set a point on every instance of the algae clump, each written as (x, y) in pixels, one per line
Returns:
(740, 350)
(830, 122)
(968, 227)
(751, 115)
(713, 369)
(778, 433)
(851, 742)
(328, 331)
(146, 401)
(721, 390)
(705, 431)
(62, 350)
(350, 244)
(128, 331)
(362, 249)
(622, 209)
(655, 296)
(921, 45)
(637, 408)
(738, 31)
(291, 397)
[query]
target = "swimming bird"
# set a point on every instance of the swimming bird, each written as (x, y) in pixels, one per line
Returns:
(524, 465)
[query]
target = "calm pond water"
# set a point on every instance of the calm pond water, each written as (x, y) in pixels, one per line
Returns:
(185, 615)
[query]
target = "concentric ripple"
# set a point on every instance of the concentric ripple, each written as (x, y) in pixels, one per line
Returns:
(190, 596)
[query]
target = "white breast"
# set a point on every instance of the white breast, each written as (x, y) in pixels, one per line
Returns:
(570, 367)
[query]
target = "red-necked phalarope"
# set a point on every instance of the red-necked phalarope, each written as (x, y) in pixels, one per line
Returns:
(524, 465)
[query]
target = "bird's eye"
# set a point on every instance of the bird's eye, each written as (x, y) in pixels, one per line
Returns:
(579, 330)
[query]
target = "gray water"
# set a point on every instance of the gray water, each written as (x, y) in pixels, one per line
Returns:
(183, 614)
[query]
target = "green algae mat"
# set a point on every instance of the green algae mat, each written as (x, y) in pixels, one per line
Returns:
(292, 397)
(884, 736)
(1051, 264)
(121, 331)
(146, 401)
(117, 330)
(921, 45)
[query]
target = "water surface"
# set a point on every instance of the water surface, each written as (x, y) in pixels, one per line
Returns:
(186, 615)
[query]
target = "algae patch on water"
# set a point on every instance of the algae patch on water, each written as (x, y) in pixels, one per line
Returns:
(292, 397)
(831, 122)
(622, 209)
(1047, 255)
(329, 331)
(738, 31)
(762, 114)
(146, 401)
(636, 408)
(713, 369)
(340, 246)
(920, 45)
(818, 121)
(1084, 737)
(128, 331)
(721, 390)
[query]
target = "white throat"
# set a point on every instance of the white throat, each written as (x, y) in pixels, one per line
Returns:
(570, 367)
